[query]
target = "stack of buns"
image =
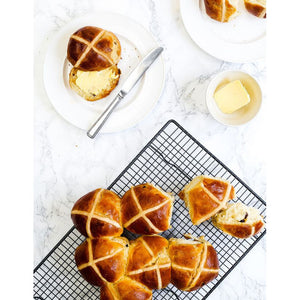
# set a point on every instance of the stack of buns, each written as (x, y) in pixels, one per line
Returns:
(225, 10)
(132, 269)
(94, 54)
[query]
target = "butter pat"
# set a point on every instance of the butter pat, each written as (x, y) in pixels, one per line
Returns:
(232, 97)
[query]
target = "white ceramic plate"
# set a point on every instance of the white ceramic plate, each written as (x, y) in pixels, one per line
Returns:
(136, 42)
(244, 114)
(242, 39)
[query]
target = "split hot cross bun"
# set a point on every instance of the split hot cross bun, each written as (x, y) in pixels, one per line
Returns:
(204, 196)
(239, 220)
(93, 49)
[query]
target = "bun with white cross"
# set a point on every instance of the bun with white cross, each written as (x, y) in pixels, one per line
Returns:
(146, 209)
(93, 49)
(205, 196)
(194, 262)
(128, 270)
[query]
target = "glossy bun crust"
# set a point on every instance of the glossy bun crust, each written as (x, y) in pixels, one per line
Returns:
(256, 8)
(149, 262)
(102, 260)
(93, 49)
(125, 289)
(204, 196)
(146, 209)
(221, 10)
(194, 263)
(98, 214)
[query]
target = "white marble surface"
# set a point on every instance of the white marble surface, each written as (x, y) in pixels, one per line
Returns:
(68, 164)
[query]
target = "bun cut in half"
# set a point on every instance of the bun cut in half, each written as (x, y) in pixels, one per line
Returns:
(239, 220)
(93, 49)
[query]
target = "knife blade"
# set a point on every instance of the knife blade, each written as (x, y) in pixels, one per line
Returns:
(128, 85)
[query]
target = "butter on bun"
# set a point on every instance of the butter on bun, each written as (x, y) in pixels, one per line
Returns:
(221, 10)
(94, 85)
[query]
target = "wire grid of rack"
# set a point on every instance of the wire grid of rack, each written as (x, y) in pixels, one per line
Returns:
(170, 160)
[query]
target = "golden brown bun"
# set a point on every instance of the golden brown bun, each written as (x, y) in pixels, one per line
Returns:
(102, 260)
(256, 7)
(108, 79)
(239, 220)
(125, 289)
(149, 262)
(194, 263)
(98, 214)
(93, 49)
(221, 10)
(146, 209)
(204, 196)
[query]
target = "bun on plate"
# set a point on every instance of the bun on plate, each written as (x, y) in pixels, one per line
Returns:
(94, 85)
(221, 10)
(256, 7)
(93, 49)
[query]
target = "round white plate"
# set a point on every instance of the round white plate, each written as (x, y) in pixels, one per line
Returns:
(242, 39)
(136, 42)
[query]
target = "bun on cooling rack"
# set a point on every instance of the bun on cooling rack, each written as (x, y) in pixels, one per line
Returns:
(130, 270)
(98, 214)
(93, 49)
(194, 263)
(204, 196)
(125, 289)
(221, 10)
(102, 260)
(149, 262)
(94, 85)
(239, 220)
(146, 209)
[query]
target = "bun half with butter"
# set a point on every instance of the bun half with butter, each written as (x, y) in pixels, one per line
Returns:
(94, 85)
(94, 54)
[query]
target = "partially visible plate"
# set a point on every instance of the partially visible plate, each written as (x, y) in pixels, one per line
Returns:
(242, 39)
(136, 42)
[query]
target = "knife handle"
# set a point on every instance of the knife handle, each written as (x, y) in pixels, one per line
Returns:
(93, 131)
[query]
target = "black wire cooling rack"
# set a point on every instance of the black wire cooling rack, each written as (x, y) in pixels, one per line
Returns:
(170, 160)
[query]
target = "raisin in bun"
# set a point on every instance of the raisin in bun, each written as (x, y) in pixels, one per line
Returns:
(239, 220)
(93, 49)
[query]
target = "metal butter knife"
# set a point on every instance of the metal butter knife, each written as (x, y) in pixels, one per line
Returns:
(130, 82)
